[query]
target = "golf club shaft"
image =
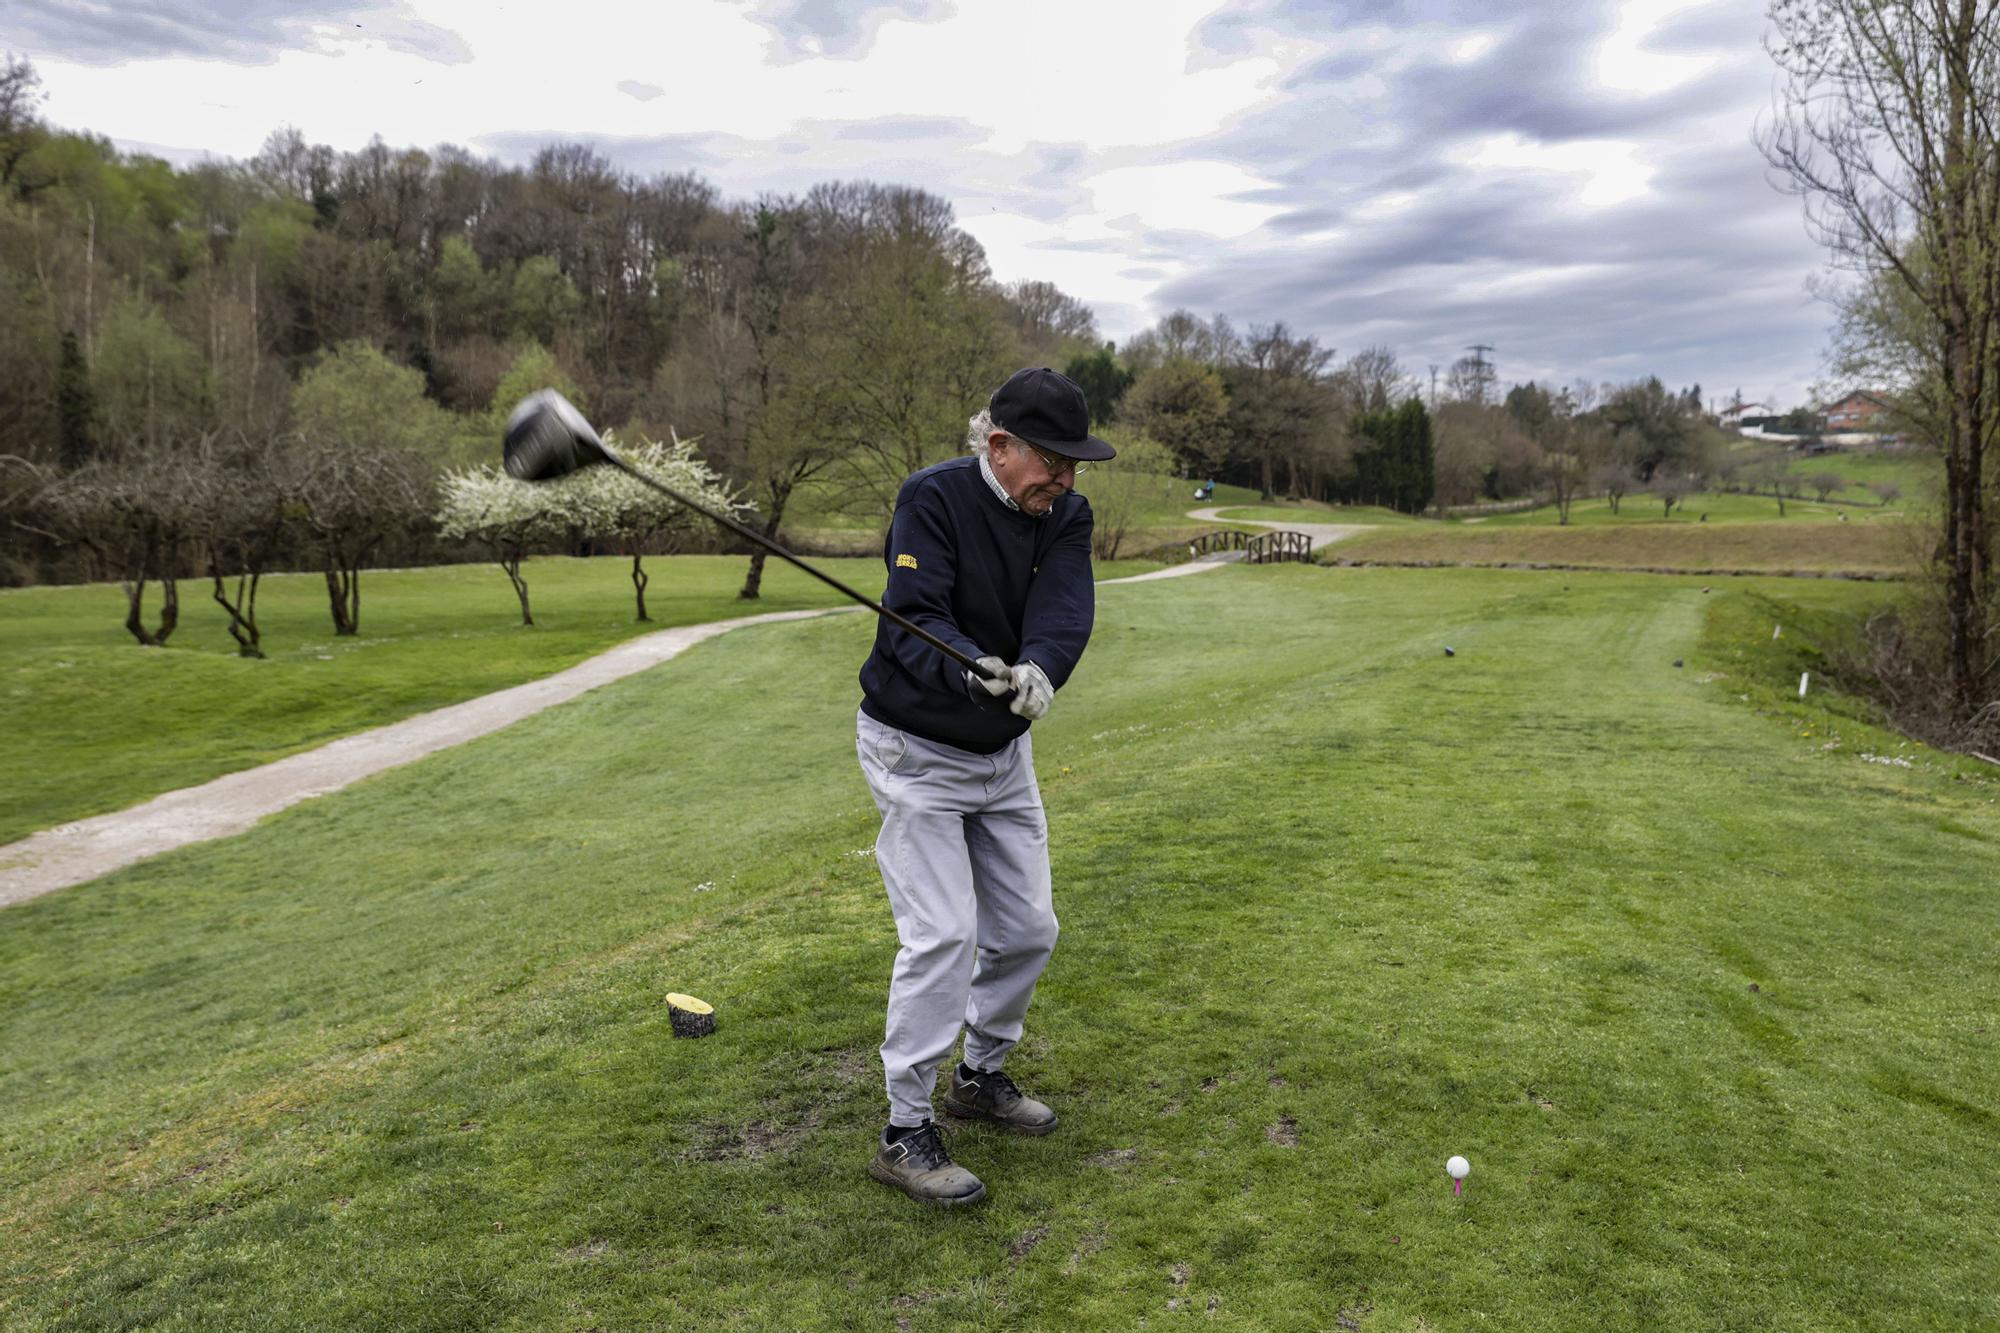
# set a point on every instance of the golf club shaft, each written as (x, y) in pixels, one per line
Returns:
(749, 533)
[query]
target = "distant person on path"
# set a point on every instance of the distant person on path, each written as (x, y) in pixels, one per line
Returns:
(991, 553)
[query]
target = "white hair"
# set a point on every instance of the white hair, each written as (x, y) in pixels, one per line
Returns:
(978, 430)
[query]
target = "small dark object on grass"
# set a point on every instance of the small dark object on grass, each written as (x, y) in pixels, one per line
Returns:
(1704, 592)
(1448, 652)
(1753, 988)
(1677, 661)
(690, 1017)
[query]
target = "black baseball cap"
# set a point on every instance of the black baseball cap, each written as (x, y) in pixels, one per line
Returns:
(1047, 409)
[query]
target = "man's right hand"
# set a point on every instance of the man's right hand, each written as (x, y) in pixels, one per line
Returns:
(999, 687)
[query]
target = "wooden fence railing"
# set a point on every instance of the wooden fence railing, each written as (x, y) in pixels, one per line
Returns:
(1259, 548)
(1275, 547)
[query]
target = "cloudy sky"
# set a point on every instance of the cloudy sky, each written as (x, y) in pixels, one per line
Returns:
(1574, 184)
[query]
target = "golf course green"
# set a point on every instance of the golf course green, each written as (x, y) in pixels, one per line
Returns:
(1697, 974)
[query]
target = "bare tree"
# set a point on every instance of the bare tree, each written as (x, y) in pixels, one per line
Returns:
(1614, 479)
(1826, 483)
(134, 517)
(1568, 445)
(1373, 380)
(1888, 492)
(242, 502)
(354, 498)
(1671, 491)
(1048, 319)
(1887, 131)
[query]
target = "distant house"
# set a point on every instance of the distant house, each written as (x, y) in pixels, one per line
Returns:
(1858, 412)
(1739, 414)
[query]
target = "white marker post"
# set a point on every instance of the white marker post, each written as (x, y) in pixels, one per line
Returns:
(1804, 676)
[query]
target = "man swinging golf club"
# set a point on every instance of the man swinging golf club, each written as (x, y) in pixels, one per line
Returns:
(991, 555)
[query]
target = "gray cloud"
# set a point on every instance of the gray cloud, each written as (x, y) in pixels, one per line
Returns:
(902, 128)
(836, 29)
(1700, 278)
(103, 32)
(644, 92)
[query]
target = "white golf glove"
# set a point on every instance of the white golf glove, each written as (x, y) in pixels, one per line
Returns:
(1003, 679)
(1032, 692)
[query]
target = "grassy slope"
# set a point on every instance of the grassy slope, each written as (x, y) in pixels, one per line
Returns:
(90, 722)
(1641, 509)
(1872, 544)
(1706, 1002)
(1918, 473)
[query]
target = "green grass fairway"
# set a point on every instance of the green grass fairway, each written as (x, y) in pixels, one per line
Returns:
(91, 722)
(1881, 546)
(1701, 985)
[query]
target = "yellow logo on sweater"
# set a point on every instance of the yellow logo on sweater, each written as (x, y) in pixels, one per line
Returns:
(906, 562)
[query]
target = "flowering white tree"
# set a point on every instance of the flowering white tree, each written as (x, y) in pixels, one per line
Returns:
(610, 504)
(506, 516)
(511, 517)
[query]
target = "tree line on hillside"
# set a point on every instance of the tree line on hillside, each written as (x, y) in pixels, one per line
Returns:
(402, 298)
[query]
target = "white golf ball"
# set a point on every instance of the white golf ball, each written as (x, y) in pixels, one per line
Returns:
(1458, 1168)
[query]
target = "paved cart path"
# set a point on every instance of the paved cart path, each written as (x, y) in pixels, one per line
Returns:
(76, 852)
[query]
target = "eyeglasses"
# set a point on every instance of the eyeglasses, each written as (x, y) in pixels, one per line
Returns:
(1053, 464)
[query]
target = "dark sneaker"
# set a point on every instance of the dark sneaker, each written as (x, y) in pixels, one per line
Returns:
(995, 1097)
(920, 1165)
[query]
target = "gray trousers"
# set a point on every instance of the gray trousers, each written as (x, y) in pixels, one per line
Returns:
(964, 854)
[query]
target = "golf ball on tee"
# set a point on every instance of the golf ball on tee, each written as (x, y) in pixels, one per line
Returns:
(1458, 1168)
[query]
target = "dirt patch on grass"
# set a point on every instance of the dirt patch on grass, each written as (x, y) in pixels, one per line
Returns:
(588, 1250)
(1086, 1247)
(1284, 1133)
(1025, 1243)
(750, 1141)
(200, 1169)
(1113, 1158)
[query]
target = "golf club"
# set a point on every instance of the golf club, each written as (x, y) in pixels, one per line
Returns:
(548, 438)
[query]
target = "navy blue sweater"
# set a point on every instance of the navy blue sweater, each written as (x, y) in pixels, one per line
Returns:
(989, 581)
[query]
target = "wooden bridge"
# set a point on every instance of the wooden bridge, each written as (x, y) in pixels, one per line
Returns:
(1259, 548)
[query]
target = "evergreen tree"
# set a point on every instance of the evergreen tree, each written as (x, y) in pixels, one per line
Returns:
(76, 405)
(1419, 458)
(1398, 466)
(1103, 380)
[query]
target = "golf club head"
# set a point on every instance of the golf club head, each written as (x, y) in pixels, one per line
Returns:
(547, 438)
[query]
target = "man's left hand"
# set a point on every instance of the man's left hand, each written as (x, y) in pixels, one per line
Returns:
(1032, 692)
